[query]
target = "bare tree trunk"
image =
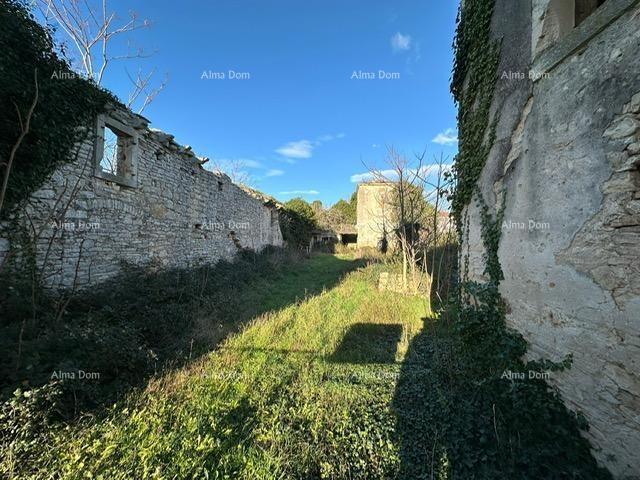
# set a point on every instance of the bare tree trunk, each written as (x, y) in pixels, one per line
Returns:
(404, 265)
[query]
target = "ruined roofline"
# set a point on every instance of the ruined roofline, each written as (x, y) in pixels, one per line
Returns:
(167, 140)
(343, 228)
(267, 200)
(142, 125)
(376, 183)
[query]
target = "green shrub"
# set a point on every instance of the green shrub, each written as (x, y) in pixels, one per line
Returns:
(347, 211)
(26, 422)
(297, 221)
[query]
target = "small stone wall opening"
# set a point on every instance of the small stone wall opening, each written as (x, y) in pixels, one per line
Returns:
(115, 152)
(560, 18)
(584, 8)
(349, 238)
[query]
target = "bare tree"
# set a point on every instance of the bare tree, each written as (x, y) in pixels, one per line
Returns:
(236, 169)
(41, 268)
(402, 211)
(441, 235)
(91, 27)
(414, 214)
(142, 88)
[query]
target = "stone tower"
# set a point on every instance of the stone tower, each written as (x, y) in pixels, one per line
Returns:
(373, 213)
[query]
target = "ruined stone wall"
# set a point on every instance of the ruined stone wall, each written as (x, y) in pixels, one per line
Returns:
(373, 213)
(566, 157)
(177, 214)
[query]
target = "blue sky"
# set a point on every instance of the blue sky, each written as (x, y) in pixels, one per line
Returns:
(302, 121)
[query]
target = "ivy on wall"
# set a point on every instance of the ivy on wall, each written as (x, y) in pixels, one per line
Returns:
(65, 102)
(472, 85)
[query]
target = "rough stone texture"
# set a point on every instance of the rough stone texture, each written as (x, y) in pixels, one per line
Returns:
(552, 19)
(607, 247)
(178, 215)
(567, 158)
(393, 282)
(373, 213)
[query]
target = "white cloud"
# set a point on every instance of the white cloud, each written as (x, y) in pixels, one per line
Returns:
(448, 137)
(300, 192)
(299, 149)
(327, 138)
(249, 163)
(433, 169)
(400, 42)
(274, 172)
(238, 168)
(304, 148)
(417, 53)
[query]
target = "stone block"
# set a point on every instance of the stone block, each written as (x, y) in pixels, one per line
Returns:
(624, 126)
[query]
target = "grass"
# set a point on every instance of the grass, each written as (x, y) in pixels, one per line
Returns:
(305, 391)
(143, 322)
(345, 382)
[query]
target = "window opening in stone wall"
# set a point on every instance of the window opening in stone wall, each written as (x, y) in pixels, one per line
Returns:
(220, 186)
(560, 18)
(115, 152)
(584, 8)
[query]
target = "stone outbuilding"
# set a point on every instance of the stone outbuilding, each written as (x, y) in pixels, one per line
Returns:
(373, 214)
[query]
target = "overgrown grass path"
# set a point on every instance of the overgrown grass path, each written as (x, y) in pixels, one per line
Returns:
(305, 391)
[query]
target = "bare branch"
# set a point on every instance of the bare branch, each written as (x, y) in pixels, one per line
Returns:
(141, 85)
(91, 33)
(235, 169)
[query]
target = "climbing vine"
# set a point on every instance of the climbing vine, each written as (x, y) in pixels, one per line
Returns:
(491, 230)
(65, 103)
(472, 85)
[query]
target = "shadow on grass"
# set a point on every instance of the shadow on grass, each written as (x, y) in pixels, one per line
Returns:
(116, 335)
(368, 343)
(235, 429)
(451, 424)
(362, 344)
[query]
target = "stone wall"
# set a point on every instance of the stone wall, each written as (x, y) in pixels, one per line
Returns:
(565, 164)
(169, 211)
(373, 213)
